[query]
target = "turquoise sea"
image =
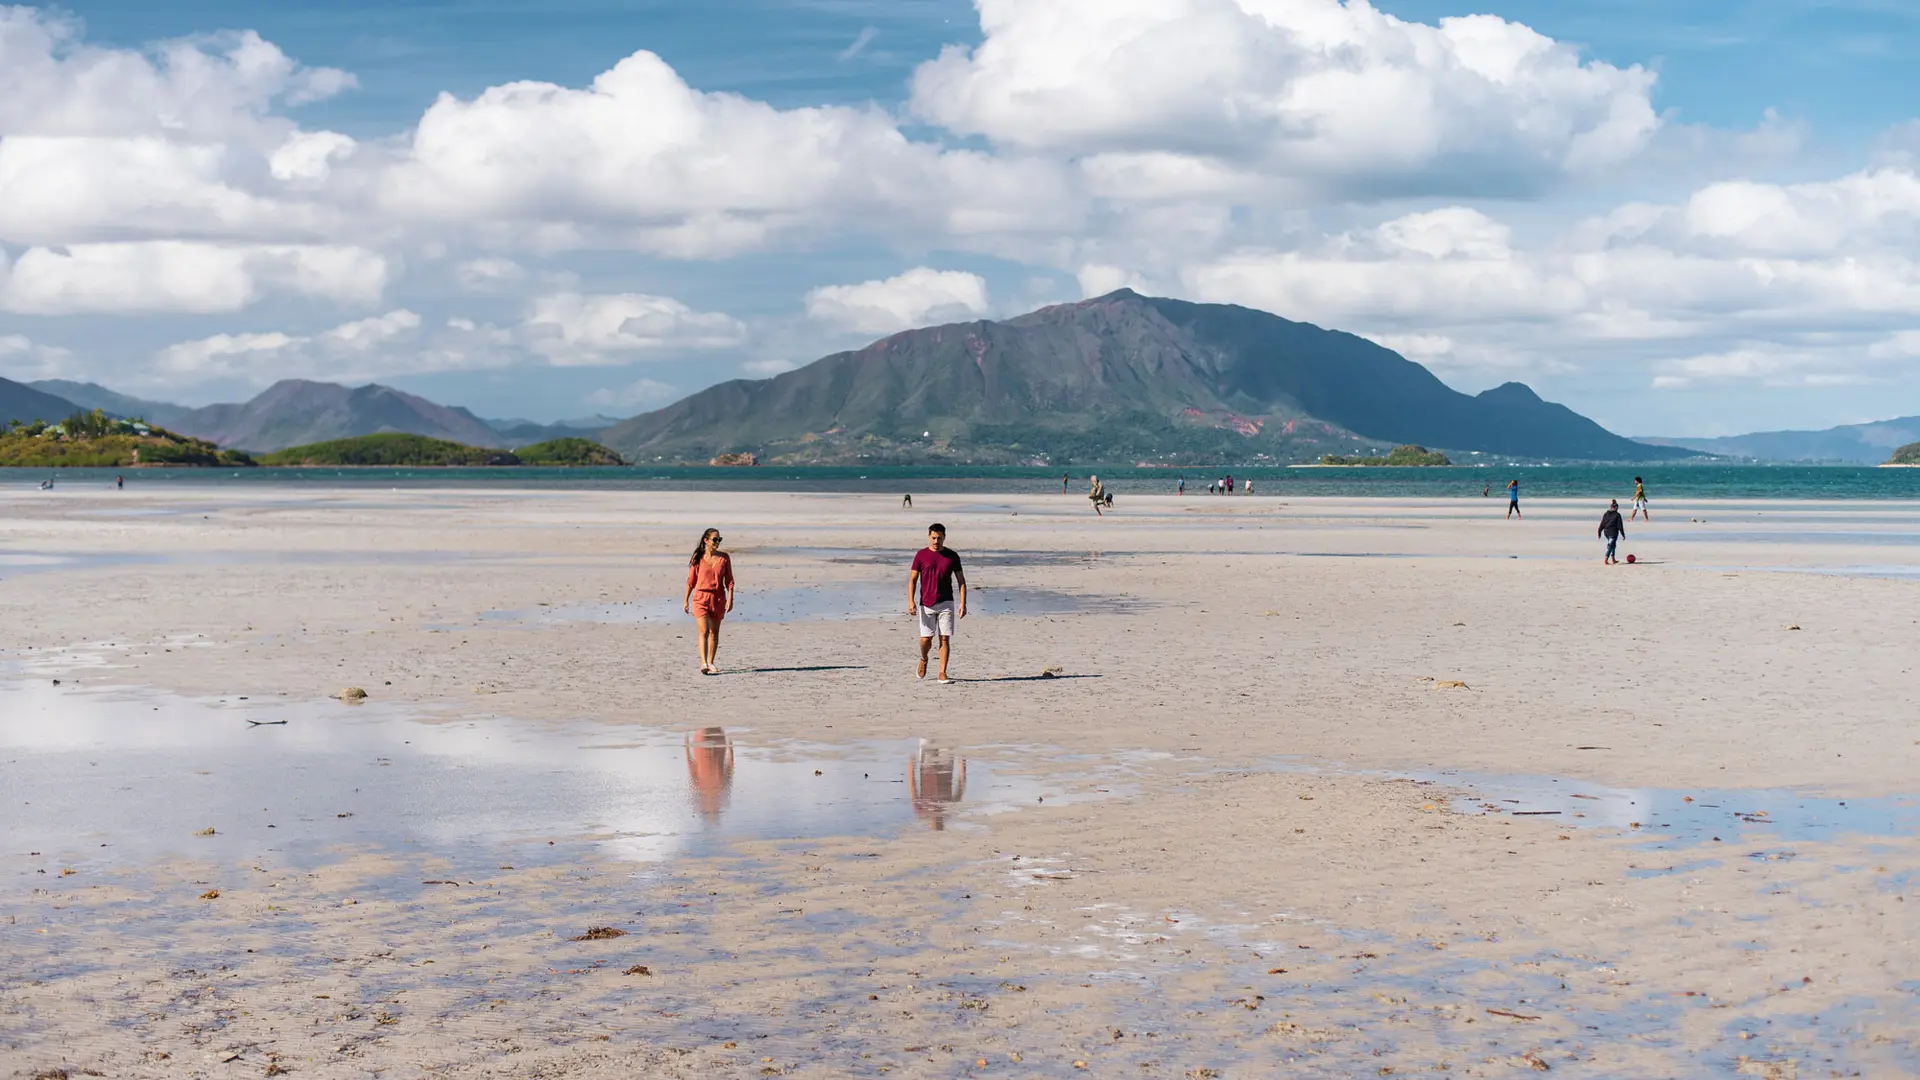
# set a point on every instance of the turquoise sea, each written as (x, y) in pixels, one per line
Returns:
(1800, 482)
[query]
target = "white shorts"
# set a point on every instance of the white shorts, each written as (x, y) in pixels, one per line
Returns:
(936, 620)
(1639, 504)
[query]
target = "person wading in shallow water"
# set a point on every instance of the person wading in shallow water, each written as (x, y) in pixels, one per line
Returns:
(931, 598)
(709, 596)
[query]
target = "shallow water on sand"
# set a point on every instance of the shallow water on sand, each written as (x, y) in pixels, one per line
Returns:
(98, 778)
(854, 600)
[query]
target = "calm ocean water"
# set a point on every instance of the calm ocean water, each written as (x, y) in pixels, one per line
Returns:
(1817, 482)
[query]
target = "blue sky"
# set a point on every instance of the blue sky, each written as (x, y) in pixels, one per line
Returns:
(1680, 219)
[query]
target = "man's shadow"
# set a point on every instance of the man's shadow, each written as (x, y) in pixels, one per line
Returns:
(1026, 678)
(789, 670)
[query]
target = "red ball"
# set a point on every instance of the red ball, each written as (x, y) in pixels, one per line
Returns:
(1630, 558)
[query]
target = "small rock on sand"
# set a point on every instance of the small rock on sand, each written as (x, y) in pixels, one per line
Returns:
(352, 694)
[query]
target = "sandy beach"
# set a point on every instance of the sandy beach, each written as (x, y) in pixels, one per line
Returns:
(1226, 786)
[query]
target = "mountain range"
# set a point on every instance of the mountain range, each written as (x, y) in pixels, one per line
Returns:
(1860, 444)
(1115, 379)
(295, 412)
(1120, 377)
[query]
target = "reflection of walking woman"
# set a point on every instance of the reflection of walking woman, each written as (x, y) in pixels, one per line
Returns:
(710, 768)
(1098, 494)
(709, 596)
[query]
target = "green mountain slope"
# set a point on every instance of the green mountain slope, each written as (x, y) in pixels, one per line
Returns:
(1117, 378)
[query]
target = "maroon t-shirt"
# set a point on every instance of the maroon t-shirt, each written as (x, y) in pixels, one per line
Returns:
(936, 570)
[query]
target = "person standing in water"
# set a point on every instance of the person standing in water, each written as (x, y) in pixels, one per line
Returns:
(931, 596)
(1640, 500)
(709, 596)
(1612, 529)
(1513, 499)
(1098, 493)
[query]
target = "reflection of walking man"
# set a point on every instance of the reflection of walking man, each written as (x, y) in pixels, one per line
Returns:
(710, 768)
(936, 781)
(930, 596)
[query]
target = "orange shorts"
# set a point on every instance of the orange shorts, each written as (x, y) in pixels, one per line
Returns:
(709, 605)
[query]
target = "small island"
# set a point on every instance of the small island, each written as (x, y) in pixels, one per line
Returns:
(394, 450)
(388, 449)
(1401, 456)
(1908, 455)
(568, 453)
(96, 440)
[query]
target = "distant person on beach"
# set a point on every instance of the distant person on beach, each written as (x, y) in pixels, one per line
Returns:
(1181, 487)
(1098, 493)
(709, 596)
(1513, 499)
(1063, 483)
(1249, 485)
(1612, 529)
(1640, 500)
(931, 596)
(1487, 492)
(1209, 487)
(906, 502)
(119, 483)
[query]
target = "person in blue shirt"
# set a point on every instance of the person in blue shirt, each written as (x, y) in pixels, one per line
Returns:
(1513, 499)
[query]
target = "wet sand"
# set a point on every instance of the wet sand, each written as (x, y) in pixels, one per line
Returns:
(1339, 787)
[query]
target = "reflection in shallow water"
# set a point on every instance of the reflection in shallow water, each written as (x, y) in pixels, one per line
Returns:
(936, 782)
(710, 767)
(836, 600)
(93, 779)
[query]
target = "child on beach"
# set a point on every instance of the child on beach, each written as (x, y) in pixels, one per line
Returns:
(1612, 529)
(931, 596)
(709, 596)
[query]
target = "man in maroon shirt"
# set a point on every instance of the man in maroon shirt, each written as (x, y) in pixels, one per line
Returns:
(930, 595)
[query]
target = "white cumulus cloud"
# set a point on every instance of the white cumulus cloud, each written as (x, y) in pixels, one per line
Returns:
(918, 297)
(180, 276)
(571, 329)
(1209, 93)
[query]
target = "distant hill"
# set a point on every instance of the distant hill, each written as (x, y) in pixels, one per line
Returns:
(1119, 378)
(95, 440)
(94, 396)
(295, 412)
(571, 453)
(525, 432)
(19, 401)
(1906, 455)
(1862, 444)
(389, 449)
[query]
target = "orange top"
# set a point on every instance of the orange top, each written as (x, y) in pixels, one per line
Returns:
(713, 573)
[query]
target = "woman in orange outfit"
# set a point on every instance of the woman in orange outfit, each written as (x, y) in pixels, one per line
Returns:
(709, 595)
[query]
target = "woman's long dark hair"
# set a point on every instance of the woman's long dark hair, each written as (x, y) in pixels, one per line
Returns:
(701, 548)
